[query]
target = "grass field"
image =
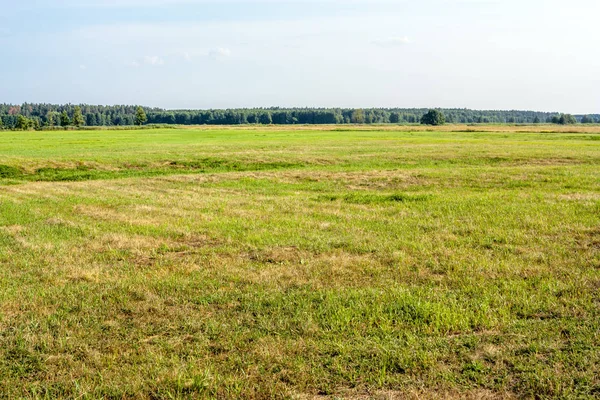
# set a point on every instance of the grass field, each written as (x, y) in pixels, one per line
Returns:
(379, 262)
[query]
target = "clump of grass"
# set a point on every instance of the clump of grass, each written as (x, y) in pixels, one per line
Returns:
(373, 198)
(87, 173)
(223, 165)
(6, 171)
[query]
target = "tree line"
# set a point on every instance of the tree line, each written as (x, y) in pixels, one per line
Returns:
(39, 116)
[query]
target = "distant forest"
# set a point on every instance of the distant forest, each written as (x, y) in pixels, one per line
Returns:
(49, 115)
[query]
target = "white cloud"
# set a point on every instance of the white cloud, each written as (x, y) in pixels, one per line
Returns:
(147, 60)
(393, 41)
(153, 60)
(219, 52)
(82, 67)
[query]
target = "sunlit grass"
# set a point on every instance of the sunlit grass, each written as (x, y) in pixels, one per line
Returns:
(285, 263)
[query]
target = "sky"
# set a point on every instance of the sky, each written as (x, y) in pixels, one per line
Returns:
(538, 55)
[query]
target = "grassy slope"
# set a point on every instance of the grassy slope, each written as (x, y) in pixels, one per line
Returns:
(280, 263)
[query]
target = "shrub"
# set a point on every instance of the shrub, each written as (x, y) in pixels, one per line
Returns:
(433, 117)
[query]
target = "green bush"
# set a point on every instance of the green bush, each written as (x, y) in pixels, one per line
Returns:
(433, 117)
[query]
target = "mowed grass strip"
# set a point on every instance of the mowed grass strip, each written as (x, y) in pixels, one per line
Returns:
(351, 264)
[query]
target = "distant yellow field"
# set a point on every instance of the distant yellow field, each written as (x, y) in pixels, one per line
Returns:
(539, 128)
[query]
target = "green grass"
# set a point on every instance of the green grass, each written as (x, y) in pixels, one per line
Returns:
(298, 263)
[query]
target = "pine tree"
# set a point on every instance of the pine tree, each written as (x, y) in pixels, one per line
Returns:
(64, 119)
(50, 119)
(78, 120)
(140, 116)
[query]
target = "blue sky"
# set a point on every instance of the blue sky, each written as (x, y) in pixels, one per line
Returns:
(485, 54)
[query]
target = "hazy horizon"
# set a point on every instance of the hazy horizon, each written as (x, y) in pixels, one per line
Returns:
(178, 54)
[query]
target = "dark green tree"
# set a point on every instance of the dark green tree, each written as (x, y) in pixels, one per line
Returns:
(90, 119)
(23, 123)
(64, 119)
(536, 120)
(587, 120)
(266, 119)
(564, 119)
(95, 115)
(35, 123)
(567, 119)
(140, 116)
(78, 120)
(358, 116)
(50, 119)
(169, 118)
(433, 117)
(1, 123)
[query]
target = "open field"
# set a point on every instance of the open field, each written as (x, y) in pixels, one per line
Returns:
(357, 262)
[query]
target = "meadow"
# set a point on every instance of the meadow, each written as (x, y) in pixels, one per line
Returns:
(300, 262)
